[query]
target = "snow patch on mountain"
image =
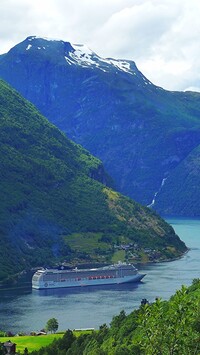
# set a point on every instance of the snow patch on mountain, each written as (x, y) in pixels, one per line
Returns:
(28, 47)
(86, 57)
(82, 55)
(146, 81)
(119, 64)
(70, 62)
(82, 50)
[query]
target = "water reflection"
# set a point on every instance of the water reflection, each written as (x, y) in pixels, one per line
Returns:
(60, 292)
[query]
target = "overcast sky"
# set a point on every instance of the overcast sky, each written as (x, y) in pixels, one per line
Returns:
(161, 36)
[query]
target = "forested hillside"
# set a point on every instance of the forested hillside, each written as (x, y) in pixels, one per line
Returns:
(55, 201)
(161, 328)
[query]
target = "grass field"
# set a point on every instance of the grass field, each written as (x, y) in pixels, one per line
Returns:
(32, 342)
(119, 255)
(86, 242)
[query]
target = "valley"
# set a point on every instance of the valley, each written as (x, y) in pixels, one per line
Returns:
(142, 133)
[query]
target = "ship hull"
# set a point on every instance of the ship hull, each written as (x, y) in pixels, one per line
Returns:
(67, 284)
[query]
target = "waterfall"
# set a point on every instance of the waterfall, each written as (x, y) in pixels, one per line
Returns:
(156, 193)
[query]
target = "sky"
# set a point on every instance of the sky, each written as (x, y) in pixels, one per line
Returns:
(161, 36)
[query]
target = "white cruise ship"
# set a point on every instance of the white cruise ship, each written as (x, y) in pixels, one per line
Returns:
(107, 275)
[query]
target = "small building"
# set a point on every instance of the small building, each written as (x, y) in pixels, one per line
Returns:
(10, 347)
(41, 332)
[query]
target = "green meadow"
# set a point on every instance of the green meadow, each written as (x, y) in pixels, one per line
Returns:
(35, 342)
(31, 342)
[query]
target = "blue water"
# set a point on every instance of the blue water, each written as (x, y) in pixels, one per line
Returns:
(90, 307)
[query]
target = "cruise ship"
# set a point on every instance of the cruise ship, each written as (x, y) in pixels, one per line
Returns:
(107, 275)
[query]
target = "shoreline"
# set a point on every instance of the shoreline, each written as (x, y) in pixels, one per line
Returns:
(15, 283)
(167, 260)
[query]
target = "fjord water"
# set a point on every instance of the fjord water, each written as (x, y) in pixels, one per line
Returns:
(24, 310)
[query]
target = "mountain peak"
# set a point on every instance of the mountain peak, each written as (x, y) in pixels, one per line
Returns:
(70, 54)
(40, 46)
(31, 38)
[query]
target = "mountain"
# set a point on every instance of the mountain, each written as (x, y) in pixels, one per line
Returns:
(184, 195)
(141, 132)
(56, 203)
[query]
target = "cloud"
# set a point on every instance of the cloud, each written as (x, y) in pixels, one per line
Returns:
(135, 29)
(160, 36)
(17, 21)
(193, 88)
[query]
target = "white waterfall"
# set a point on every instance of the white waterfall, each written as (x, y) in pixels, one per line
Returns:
(156, 193)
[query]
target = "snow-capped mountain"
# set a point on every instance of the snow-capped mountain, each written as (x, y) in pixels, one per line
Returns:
(78, 54)
(74, 55)
(140, 131)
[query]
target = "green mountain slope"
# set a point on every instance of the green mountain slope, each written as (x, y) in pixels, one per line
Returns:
(54, 206)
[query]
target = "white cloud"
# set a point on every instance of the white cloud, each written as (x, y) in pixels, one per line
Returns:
(135, 29)
(160, 36)
(193, 88)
